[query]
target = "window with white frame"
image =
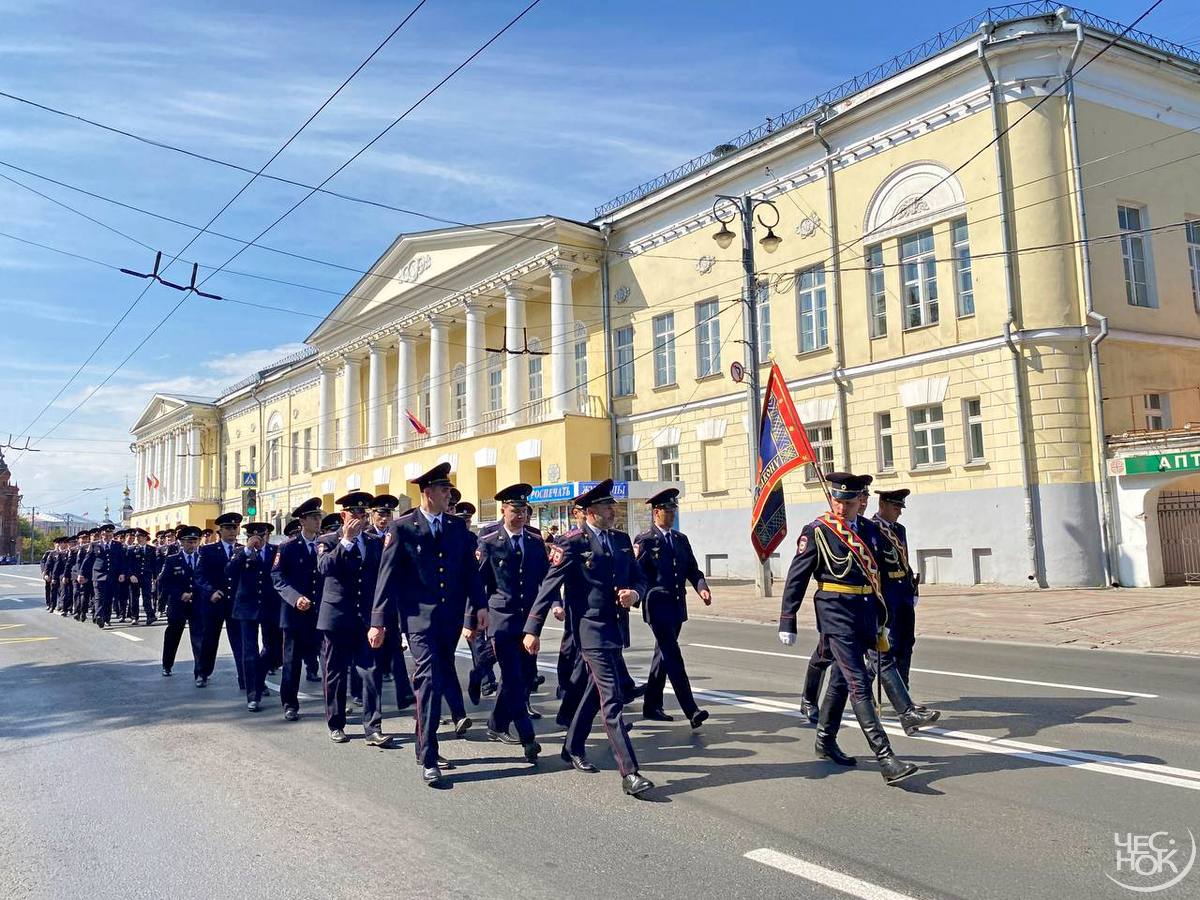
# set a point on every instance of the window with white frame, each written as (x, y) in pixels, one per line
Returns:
(884, 441)
(629, 467)
(973, 422)
(820, 436)
(876, 291)
(1192, 232)
(964, 285)
(813, 315)
(295, 454)
(664, 350)
(237, 468)
(762, 308)
(495, 381)
(928, 436)
(253, 458)
(708, 338)
(623, 351)
(1131, 220)
(581, 366)
(668, 463)
(1157, 410)
(458, 394)
(425, 401)
(535, 372)
(308, 436)
(273, 461)
(918, 270)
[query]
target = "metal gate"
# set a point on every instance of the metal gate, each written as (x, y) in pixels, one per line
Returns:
(1179, 531)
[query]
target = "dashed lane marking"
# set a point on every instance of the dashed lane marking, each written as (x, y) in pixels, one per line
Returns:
(25, 640)
(829, 878)
(126, 635)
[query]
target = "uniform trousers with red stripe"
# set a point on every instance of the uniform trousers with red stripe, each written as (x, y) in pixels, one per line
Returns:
(605, 670)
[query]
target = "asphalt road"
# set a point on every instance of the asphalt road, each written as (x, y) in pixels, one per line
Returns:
(117, 782)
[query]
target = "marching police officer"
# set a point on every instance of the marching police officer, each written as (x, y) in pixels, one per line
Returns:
(845, 566)
(300, 585)
(383, 507)
(430, 574)
(667, 562)
(512, 564)
(48, 559)
(216, 600)
(83, 585)
(255, 607)
(597, 568)
(139, 568)
(104, 567)
(176, 587)
(349, 562)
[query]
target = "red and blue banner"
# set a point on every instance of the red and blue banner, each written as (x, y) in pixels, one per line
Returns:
(782, 446)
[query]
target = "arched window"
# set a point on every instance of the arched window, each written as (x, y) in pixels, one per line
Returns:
(458, 394)
(535, 372)
(581, 366)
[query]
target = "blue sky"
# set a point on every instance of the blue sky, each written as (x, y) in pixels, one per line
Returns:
(577, 103)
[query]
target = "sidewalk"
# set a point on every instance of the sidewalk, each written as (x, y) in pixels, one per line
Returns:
(1162, 619)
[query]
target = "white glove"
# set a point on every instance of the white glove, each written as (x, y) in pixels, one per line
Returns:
(787, 638)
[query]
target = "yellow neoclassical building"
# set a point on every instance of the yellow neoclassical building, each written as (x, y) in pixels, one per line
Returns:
(984, 277)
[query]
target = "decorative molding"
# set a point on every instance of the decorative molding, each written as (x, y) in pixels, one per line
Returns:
(553, 473)
(705, 264)
(628, 443)
(529, 449)
(667, 437)
(412, 470)
(808, 226)
(485, 457)
(923, 391)
(415, 268)
(918, 193)
(711, 429)
(381, 475)
(354, 482)
(451, 458)
(622, 293)
(819, 409)
(328, 486)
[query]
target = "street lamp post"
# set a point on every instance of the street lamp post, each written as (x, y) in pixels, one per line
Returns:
(725, 209)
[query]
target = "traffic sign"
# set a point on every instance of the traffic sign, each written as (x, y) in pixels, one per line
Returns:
(249, 479)
(737, 371)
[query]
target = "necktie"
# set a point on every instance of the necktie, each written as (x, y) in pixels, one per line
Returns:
(604, 542)
(670, 541)
(310, 547)
(436, 524)
(516, 545)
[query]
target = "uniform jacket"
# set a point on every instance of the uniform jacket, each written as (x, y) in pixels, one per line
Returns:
(139, 562)
(350, 577)
(667, 568)
(822, 554)
(899, 582)
(511, 583)
(61, 567)
(78, 555)
(295, 575)
(211, 575)
(176, 579)
(433, 584)
(589, 579)
(48, 561)
(254, 596)
(104, 563)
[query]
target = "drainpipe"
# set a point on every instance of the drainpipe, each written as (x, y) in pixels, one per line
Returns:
(262, 456)
(1104, 489)
(839, 354)
(609, 374)
(1032, 535)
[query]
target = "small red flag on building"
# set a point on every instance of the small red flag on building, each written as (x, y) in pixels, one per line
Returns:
(416, 423)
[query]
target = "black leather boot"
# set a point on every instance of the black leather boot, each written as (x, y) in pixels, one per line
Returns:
(912, 717)
(828, 723)
(891, 768)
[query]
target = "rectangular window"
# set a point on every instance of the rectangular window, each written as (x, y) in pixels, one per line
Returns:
(814, 318)
(535, 378)
(712, 460)
(918, 269)
(664, 350)
(820, 435)
(973, 420)
(668, 463)
(273, 460)
(1192, 232)
(581, 374)
(1157, 408)
(237, 468)
(876, 291)
(762, 307)
(884, 442)
(308, 434)
(495, 385)
(629, 467)
(458, 399)
(928, 436)
(295, 454)
(964, 286)
(623, 344)
(1131, 221)
(708, 339)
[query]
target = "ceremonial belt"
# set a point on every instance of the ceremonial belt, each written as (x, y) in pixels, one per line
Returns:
(898, 544)
(834, 587)
(856, 545)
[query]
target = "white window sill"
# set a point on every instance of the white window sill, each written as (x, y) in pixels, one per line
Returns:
(935, 469)
(977, 464)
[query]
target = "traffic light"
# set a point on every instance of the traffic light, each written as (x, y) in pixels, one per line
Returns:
(250, 502)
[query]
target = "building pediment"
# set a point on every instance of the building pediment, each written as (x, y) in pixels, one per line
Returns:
(163, 407)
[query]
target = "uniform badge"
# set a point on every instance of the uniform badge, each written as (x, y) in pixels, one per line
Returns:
(478, 555)
(387, 540)
(802, 544)
(637, 550)
(321, 548)
(557, 555)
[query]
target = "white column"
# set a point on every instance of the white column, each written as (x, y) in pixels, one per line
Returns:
(406, 381)
(169, 467)
(476, 367)
(376, 379)
(194, 463)
(155, 470)
(516, 379)
(326, 400)
(562, 363)
(439, 374)
(180, 459)
(163, 475)
(351, 404)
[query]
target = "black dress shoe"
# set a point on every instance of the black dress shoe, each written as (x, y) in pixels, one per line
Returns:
(253, 706)
(202, 682)
(338, 736)
(379, 739)
(431, 775)
(827, 748)
(166, 672)
(532, 749)
(290, 714)
(473, 686)
(657, 715)
(461, 726)
(531, 712)
(634, 784)
(578, 763)
(699, 718)
(539, 680)
(502, 737)
(266, 692)
(894, 770)
(810, 711)
(914, 719)
(444, 764)
(488, 689)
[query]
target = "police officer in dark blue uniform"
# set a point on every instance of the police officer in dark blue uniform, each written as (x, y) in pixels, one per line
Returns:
(176, 587)
(844, 562)
(255, 608)
(216, 598)
(61, 573)
(667, 562)
(383, 509)
(430, 574)
(512, 564)
(599, 576)
(349, 561)
(139, 568)
(104, 567)
(47, 564)
(83, 584)
(300, 586)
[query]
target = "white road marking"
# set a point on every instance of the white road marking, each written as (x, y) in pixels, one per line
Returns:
(22, 577)
(829, 878)
(126, 635)
(1050, 684)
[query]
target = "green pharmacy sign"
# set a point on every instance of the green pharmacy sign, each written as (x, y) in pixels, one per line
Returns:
(1176, 461)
